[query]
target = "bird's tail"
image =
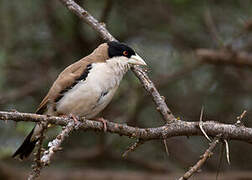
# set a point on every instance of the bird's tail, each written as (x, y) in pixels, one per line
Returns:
(27, 146)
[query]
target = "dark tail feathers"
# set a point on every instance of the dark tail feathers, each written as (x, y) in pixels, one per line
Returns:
(26, 148)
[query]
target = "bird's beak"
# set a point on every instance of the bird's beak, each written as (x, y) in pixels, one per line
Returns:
(136, 60)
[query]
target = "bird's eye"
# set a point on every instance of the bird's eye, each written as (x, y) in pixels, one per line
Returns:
(125, 53)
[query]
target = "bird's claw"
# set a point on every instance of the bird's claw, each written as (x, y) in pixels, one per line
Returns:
(104, 122)
(74, 117)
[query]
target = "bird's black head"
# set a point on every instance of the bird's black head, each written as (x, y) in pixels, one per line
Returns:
(119, 49)
(125, 53)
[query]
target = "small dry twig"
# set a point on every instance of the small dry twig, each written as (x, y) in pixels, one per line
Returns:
(203, 159)
(37, 160)
(239, 118)
(54, 146)
(133, 147)
(56, 143)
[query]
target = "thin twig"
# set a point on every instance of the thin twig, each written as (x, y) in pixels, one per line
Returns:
(37, 161)
(53, 147)
(239, 118)
(133, 147)
(203, 159)
(56, 143)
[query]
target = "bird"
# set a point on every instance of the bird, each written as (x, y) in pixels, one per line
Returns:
(84, 88)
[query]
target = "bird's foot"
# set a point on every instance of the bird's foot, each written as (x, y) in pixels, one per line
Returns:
(75, 118)
(104, 122)
(72, 116)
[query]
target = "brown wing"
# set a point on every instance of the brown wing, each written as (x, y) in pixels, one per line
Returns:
(68, 77)
(65, 80)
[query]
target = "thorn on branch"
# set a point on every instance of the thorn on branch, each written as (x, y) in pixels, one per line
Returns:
(166, 147)
(201, 125)
(239, 119)
(227, 151)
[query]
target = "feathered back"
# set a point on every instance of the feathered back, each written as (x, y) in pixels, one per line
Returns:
(68, 77)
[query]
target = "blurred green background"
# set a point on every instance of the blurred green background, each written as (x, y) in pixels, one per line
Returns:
(38, 39)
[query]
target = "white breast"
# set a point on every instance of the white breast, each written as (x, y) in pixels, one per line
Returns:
(85, 99)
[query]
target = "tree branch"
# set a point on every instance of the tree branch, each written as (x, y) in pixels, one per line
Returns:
(178, 128)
